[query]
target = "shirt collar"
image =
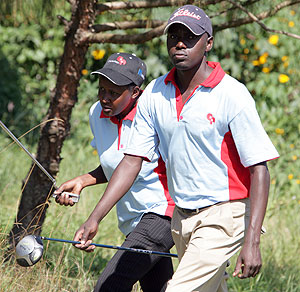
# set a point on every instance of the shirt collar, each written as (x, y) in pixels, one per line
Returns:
(129, 116)
(212, 81)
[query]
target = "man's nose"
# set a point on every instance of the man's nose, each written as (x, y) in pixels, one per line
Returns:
(180, 44)
(105, 98)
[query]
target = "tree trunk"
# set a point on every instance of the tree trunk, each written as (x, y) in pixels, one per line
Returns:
(34, 201)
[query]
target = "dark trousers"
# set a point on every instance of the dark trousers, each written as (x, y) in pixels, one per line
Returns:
(153, 232)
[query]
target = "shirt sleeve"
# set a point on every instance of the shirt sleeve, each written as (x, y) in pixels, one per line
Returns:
(143, 139)
(92, 114)
(251, 140)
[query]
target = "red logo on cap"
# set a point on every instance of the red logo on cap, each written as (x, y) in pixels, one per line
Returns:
(121, 60)
(211, 118)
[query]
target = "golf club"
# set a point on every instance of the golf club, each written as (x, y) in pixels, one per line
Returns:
(74, 197)
(115, 247)
(29, 250)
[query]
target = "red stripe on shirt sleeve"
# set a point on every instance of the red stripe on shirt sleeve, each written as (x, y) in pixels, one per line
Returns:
(238, 175)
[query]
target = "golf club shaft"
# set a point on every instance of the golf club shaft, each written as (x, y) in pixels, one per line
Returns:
(116, 247)
(28, 153)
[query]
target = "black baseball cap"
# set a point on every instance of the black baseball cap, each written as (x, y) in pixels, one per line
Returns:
(193, 17)
(123, 69)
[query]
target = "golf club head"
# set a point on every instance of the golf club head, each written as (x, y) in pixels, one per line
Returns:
(29, 250)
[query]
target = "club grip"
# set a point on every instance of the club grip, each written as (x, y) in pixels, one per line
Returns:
(74, 197)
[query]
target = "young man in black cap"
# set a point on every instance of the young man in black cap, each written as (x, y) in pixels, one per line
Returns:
(145, 212)
(209, 134)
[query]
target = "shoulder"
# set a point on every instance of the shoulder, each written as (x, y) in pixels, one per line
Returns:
(235, 90)
(95, 109)
(156, 84)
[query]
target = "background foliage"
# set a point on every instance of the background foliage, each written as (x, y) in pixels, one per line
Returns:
(31, 44)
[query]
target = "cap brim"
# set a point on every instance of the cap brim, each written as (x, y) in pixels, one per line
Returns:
(189, 27)
(114, 76)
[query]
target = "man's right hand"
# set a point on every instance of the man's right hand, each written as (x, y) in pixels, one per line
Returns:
(71, 186)
(85, 234)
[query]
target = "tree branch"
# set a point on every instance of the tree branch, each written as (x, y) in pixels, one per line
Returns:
(96, 35)
(64, 21)
(248, 3)
(89, 37)
(72, 2)
(255, 19)
(261, 16)
(117, 5)
(127, 25)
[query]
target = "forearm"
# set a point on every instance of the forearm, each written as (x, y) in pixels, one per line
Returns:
(259, 192)
(119, 184)
(94, 177)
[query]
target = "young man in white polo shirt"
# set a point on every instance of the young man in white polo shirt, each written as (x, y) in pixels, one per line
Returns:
(209, 134)
(145, 212)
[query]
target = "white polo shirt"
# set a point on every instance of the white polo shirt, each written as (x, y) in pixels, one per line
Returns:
(149, 193)
(207, 143)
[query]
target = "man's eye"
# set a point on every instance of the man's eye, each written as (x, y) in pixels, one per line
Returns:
(114, 94)
(172, 36)
(191, 37)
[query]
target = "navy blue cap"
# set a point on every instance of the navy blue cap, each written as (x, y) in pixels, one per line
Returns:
(123, 69)
(193, 17)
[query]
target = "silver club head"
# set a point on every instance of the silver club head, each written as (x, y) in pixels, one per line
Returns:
(29, 250)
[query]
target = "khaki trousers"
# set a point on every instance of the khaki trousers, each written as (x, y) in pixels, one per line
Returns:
(204, 242)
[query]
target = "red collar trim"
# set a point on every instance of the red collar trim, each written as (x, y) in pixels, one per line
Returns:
(212, 81)
(215, 76)
(129, 116)
(171, 76)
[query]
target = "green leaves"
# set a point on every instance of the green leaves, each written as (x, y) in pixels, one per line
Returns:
(29, 56)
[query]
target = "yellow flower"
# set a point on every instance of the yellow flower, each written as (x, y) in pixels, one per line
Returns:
(84, 72)
(273, 39)
(284, 58)
(298, 182)
(291, 71)
(290, 176)
(294, 157)
(262, 59)
(273, 181)
(95, 152)
(292, 12)
(121, 50)
(285, 64)
(292, 146)
(266, 70)
(291, 23)
(255, 63)
(279, 131)
(242, 41)
(283, 78)
(98, 54)
(246, 51)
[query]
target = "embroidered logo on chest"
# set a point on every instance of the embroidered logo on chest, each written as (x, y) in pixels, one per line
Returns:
(211, 118)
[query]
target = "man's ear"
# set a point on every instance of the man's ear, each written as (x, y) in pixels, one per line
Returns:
(209, 44)
(136, 91)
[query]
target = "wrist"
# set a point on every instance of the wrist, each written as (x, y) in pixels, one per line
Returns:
(84, 181)
(252, 236)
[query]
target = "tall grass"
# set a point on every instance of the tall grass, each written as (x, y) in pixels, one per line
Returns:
(65, 268)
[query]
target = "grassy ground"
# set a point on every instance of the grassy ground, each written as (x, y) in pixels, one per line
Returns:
(64, 268)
